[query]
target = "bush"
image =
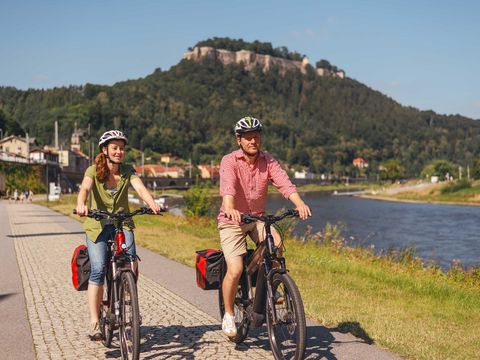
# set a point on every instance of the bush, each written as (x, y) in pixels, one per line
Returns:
(456, 186)
(197, 202)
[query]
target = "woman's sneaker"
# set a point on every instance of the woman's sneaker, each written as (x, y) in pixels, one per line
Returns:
(228, 325)
(95, 333)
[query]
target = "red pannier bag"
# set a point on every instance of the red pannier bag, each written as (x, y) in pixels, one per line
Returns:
(80, 268)
(209, 265)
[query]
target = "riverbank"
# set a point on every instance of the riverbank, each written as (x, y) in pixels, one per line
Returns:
(422, 192)
(390, 300)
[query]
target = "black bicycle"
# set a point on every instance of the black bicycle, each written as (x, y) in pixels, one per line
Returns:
(266, 293)
(119, 308)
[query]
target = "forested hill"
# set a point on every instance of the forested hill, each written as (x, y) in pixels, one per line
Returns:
(318, 122)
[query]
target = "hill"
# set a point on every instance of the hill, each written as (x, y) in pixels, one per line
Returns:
(319, 122)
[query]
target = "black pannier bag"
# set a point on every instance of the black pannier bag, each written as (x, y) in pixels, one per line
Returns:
(80, 268)
(209, 264)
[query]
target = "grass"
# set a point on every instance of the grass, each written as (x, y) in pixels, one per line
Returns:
(415, 311)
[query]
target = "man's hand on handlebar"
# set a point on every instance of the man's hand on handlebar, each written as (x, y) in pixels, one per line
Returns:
(303, 211)
(233, 214)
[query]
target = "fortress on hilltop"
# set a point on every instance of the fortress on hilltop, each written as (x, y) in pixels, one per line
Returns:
(250, 60)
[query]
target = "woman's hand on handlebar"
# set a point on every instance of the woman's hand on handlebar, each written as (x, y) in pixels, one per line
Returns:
(82, 210)
(155, 208)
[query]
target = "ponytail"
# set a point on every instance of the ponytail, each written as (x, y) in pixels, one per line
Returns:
(101, 167)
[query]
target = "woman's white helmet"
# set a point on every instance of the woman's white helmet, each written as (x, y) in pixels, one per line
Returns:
(247, 124)
(111, 135)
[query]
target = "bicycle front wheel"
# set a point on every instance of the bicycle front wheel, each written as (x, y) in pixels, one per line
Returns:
(288, 333)
(129, 330)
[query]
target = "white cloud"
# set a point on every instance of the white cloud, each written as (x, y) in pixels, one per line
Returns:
(310, 33)
(40, 78)
(476, 104)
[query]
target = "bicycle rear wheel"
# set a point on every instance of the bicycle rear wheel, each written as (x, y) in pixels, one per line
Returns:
(129, 327)
(105, 315)
(240, 313)
(288, 334)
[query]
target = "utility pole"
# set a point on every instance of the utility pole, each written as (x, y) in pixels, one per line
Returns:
(56, 135)
(190, 168)
(89, 144)
(211, 171)
(46, 177)
(28, 147)
(459, 173)
(468, 172)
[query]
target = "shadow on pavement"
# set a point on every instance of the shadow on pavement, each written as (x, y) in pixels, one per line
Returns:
(355, 329)
(39, 222)
(6, 296)
(47, 234)
(183, 342)
(43, 215)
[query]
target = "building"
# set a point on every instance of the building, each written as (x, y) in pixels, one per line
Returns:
(209, 171)
(73, 160)
(303, 175)
(360, 163)
(44, 156)
(16, 148)
(160, 171)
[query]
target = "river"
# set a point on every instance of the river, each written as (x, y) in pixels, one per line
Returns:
(442, 233)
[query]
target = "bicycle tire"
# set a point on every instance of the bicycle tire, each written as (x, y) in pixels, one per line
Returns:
(105, 316)
(240, 313)
(290, 320)
(129, 327)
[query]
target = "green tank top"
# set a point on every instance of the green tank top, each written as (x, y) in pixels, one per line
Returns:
(112, 200)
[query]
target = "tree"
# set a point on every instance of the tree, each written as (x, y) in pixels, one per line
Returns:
(392, 170)
(440, 168)
(476, 169)
(323, 64)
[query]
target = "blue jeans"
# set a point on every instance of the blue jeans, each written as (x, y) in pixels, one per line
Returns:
(97, 252)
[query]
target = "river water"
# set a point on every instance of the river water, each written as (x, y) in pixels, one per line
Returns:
(442, 233)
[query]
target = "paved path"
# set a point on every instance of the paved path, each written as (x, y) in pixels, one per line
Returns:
(180, 321)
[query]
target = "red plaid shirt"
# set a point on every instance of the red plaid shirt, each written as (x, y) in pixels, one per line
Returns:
(248, 184)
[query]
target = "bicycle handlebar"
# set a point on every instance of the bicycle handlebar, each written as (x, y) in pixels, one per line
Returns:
(103, 214)
(271, 219)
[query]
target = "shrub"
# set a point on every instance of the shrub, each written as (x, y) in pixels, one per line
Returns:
(197, 202)
(456, 186)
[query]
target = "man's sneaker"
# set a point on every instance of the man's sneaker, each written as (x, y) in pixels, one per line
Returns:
(228, 325)
(95, 333)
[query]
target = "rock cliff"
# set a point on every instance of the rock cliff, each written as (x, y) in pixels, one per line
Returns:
(251, 59)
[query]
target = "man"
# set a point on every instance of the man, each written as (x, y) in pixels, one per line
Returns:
(244, 178)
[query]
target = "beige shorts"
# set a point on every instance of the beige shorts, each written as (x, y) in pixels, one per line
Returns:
(232, 237)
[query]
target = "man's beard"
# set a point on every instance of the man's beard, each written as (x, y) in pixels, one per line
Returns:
(250, 153)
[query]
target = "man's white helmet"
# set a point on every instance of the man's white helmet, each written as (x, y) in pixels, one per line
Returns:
(111, 135)
(247, 124)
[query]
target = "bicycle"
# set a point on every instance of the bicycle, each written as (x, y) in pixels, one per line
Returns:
(119, 307)
(267, 293)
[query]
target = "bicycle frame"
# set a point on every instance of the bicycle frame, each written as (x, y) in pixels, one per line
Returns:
(265, 268)
(117, 260)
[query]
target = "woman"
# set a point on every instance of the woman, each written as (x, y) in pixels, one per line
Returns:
(107, 181)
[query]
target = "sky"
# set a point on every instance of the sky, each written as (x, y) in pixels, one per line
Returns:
(424, 54)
